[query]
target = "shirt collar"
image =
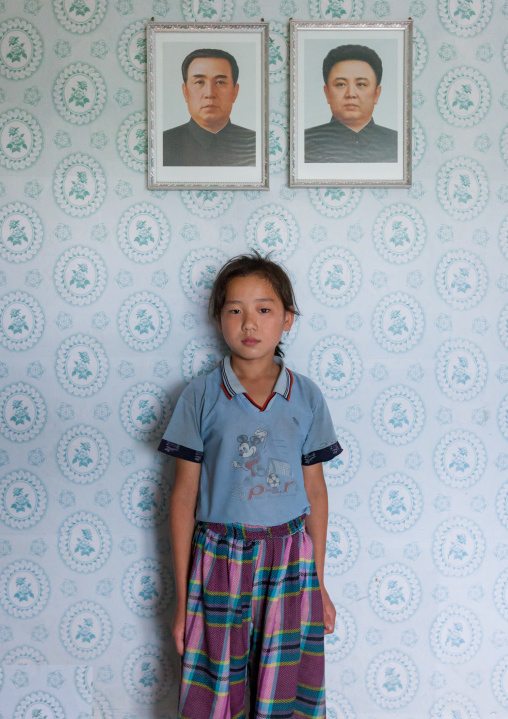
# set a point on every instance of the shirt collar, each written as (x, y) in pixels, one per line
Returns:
(369, 126)
(232, 385)
(204, 137)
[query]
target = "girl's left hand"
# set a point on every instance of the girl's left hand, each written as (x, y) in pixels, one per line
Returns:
(329, 612)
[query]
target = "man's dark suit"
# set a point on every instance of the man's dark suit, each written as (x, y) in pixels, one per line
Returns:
(191, 145)
(334, 142)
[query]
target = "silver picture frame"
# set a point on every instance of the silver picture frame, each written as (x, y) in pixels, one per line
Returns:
(326, 147)
(176, 142)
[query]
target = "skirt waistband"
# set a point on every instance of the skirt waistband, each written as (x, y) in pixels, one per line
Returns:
(248, 532)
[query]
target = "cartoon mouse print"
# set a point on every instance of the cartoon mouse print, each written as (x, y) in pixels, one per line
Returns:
(249, 449)
(277, 476)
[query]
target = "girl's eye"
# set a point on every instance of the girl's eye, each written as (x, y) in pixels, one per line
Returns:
(264, 310)
(234, 312)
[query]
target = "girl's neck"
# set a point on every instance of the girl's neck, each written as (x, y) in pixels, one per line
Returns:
(263, 370)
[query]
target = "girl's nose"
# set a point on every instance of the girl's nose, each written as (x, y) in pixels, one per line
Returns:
(249, 321)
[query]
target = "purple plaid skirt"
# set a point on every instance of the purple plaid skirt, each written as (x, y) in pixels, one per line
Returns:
(254, 614)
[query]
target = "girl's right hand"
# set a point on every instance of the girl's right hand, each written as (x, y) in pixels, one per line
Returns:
(178, 629)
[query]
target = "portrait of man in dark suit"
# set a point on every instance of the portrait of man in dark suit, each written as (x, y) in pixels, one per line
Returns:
(352, 75)
(210, 87)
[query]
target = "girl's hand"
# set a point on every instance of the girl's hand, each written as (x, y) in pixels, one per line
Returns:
(178, 629)
(329, 612)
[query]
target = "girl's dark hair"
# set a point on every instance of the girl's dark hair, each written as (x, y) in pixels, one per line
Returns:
(254, 264)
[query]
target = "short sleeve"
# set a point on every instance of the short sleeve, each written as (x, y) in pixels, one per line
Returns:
(321, 443)
(182, 437)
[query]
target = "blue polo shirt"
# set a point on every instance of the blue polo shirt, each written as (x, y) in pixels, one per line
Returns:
(251, 456)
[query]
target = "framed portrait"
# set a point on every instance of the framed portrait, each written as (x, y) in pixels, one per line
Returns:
(207, 106)
(351, 93)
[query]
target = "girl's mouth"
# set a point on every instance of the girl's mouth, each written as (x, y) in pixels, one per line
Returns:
(250, 341)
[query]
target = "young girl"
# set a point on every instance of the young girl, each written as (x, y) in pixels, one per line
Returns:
(249, 514)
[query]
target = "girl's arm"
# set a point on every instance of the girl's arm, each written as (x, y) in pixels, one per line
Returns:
(316, 523)
(181, 514)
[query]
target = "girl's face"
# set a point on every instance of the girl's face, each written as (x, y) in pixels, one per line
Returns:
(253, 317)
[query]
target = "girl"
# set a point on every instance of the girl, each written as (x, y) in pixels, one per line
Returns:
(249, 513)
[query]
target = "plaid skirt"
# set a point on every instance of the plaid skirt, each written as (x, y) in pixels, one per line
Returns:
(254, 615)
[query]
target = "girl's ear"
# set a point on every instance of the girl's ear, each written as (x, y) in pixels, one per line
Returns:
(289, 318)
(219, 325)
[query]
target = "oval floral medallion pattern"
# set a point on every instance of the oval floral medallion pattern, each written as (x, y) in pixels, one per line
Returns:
(455, 635)
(201, 356)
(335, 277)
(398, 415)
(462, 188)
(132, 50)
(335, 366)
(335, 201)
(24, 589)
(80, 16)
(80, 276)
(84, 542)
(143, 232)
(398, 322)
(460, 459)
(79, 185)
(278, 52)
(20, 49)
(21, 321)
(336, 9)
(22, 412)
(463, 97)
(396, 502)
(273, 229)
(85, 630)
(198, 273)
(21, 232)
(146, 588)
(392, 679)
(207, 10)
(143, 321)
(459, 547)
(144, 499)
(461, 369)
(39, 704)
(145, 411)
(399, 233)
(82, 365)
(342, 545)
(147, 674)
(207, 203)
(20, 139)
(83, 454)
(453, 704)
(394, 592)
(461, 279)
(23, 499)
(132, 141)
(465, 18)
(79, 94)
